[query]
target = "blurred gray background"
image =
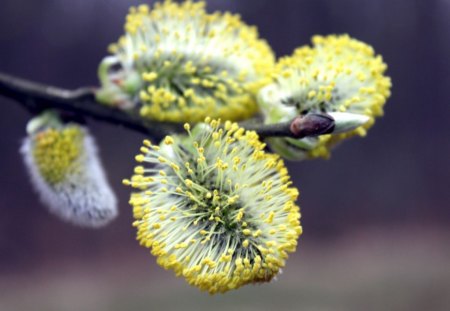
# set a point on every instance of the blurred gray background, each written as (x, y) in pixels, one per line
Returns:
(375, 216)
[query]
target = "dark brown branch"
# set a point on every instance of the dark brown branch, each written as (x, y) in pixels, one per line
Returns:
(37, 97)
(81, 102)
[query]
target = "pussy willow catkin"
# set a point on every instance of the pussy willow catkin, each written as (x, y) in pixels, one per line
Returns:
(67, 174)
(215, 207)
(336, 74)
(178, 63)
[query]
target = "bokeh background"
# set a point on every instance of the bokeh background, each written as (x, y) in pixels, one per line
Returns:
(375, 216)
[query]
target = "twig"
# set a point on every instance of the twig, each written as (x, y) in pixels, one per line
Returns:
(37, 97)
(82, 103)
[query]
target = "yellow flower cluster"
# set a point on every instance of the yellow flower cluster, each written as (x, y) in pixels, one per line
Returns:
(337, 74)
(192, 64)
(215, 207)
(56, 152)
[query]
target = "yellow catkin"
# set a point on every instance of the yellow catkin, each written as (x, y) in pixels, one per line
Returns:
(221, 222)
(337, 74)
(191, 63)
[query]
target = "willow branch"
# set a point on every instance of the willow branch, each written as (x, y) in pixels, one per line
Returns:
(81, 102)
(36, 97)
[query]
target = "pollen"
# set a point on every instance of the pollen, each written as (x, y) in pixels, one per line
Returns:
(215, 232)
(56, 151)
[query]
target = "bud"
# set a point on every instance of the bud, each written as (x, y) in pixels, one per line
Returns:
(119, 84)
(312, 124)
(338, 76)
(178, 63)
(66, 172)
